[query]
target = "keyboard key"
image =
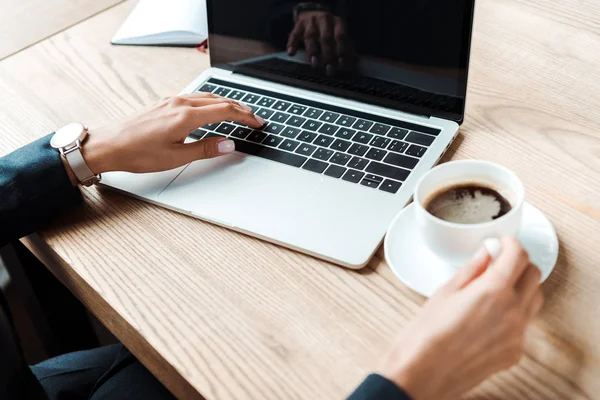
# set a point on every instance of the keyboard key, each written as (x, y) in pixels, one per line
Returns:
(345, 133)
(358, 149)
(222, 91)
(376, 154)
(369, 183)
(315, 166)
(297, 109)
(328, 129)
(305, 149)
(289, 145)
(273, 140)
(272, 127)
(341, 145)
(388, 171)
(280, 117)
(251, 98)
(213, 134)
(312, 125)
(266, 102)
(282, 105)
(380, 141)
(390, 186)
(323, 140)
(207, 87)
(265, 113)
(358, 163)
(397, 133)
(198, 134)
(253, 108)
(380, 129)
(256, 136)
(211, 127)
(362, 125)
(416, 151)
(236, 95)
(353, 176)
(296, 121)
(241, 133)
(329, 116)
(398, 146)
(313, 113)
(225, 128)
(419, 138)
(346, 121)
(307, 136)
(335, 171)
(401, 161)
(362, 137)
(290, 132)
(323, 154)
(374, 178)
(294, 160)
(340, 158)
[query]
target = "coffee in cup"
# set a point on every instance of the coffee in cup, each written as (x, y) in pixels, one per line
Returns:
(468, 203)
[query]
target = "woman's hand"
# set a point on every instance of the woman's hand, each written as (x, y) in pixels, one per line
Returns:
(472, 328)
(153, 139)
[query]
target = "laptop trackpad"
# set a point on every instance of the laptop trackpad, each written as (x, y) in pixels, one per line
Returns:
(304, 210)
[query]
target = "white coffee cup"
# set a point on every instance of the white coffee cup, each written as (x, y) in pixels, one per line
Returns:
(456, 243)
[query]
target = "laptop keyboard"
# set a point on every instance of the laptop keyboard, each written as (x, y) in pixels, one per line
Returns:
(372, 151)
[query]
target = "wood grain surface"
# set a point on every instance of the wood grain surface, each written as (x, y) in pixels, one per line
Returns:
(26, 22)
(218, 313)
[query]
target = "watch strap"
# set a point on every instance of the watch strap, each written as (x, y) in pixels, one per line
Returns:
(79, 167)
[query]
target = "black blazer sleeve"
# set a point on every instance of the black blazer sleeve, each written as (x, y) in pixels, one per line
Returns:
(376, 387)
(34, 188)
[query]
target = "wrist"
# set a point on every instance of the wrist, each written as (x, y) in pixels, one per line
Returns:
(97, 153)
(409, 375)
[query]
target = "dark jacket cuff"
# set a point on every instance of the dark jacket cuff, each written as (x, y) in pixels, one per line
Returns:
(34, 189)
(376, 387)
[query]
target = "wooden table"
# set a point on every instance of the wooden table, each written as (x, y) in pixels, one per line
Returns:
(214, 312)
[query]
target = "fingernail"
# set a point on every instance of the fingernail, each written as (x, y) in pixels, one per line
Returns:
(290, 50)
(226, 146)
(329, 70)
(314, 61)
(493, 247)
(244, 106)
(260, 120)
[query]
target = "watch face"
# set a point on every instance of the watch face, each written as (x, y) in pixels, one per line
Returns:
(67, 135)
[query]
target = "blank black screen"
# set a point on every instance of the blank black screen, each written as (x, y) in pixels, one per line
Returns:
(408, 55)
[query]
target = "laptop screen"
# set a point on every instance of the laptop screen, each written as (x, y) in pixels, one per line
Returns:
(407, 55)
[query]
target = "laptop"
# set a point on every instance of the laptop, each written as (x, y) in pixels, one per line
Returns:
(360, 98)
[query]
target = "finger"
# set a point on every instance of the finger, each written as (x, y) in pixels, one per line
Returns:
(529, 283)
(206, 101)
(295, 38)
(204, 149)
(326, 40)
(511, 263)
(536, 304)
(311, 35)
(341, 39)
(199, 116)
(470, 271)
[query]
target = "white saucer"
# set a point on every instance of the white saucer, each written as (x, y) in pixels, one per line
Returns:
(416, 266)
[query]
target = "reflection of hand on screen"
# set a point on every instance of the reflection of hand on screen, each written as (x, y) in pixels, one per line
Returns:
(325, 39)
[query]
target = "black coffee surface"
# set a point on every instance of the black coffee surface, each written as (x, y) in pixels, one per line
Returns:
(468, 204)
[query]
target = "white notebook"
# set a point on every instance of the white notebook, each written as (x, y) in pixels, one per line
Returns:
(165, 22)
